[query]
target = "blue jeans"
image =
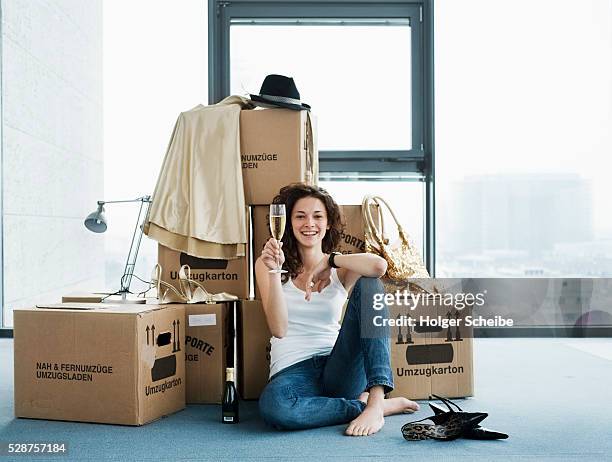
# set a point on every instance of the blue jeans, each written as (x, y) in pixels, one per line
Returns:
(323, 390)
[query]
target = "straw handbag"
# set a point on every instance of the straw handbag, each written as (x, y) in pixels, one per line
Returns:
(403, 260)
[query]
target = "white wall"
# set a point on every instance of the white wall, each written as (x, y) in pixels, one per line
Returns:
(52, 156)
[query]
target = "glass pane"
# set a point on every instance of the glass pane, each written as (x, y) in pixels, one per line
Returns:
(134, 147)
(356, 78)
(405, 198)
(522, 151)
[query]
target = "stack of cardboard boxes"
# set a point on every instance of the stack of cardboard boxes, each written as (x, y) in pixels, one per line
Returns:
(133, 364)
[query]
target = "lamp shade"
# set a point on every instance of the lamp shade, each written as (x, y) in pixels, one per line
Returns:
(96, 221)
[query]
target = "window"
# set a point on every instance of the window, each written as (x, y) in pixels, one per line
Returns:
(338, 70)
(364, 67)
(523, 138)
(153, 70)
(407, 199)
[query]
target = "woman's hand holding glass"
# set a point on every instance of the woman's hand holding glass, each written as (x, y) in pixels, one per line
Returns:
(278, 219)
(272, 254)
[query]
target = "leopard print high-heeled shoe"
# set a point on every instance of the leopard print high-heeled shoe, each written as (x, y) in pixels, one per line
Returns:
(447, 425)
(453, 427)
(476, 433)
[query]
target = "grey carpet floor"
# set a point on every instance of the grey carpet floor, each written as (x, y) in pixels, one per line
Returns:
(551, 395)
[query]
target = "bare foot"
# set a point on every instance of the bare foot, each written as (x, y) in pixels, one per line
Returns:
(368, 422)
(399, 405)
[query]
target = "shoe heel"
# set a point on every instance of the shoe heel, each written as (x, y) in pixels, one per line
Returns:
(199, 292)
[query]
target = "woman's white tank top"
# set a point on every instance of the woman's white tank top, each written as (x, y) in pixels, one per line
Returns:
(312, 326)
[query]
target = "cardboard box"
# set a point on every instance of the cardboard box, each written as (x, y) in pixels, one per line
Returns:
(438, 361)
(206, 346)
(118, 364)
(353, 236)
(253, 349)
(273, 147)
(231, 276)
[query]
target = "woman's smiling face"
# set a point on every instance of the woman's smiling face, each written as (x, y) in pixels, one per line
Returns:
(309, 221)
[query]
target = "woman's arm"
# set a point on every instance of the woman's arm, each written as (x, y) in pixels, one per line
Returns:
(352, 266)
(271, 289)
(363, 264)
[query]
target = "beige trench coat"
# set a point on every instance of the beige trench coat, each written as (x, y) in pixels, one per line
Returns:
(198, 204)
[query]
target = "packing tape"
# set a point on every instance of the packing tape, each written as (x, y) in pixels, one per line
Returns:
(148, 355)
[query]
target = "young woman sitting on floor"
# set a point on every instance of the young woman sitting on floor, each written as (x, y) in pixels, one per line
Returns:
(323, 373)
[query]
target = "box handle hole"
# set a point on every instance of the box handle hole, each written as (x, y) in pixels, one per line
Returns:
(163, 339)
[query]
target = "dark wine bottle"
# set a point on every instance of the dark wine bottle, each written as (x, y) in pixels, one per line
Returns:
(229, 408)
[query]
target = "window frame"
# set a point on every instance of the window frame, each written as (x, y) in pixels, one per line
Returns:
(416, 163)
(4, 331)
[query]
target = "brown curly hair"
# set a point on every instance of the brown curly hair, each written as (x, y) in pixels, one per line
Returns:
(289, 195)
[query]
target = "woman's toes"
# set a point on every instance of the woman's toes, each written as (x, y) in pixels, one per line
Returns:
(413, 406)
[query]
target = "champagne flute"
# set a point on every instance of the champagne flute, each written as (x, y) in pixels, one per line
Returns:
(278, 217)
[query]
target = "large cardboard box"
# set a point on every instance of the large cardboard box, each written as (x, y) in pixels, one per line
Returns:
(353, 236)
(253, 349)
(431, 359)
(231, 276)
(206, 346)
(273, 147)
(118, 364)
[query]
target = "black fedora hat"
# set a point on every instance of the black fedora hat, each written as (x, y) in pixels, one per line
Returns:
(280, 91)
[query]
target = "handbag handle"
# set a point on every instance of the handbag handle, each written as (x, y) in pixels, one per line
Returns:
(312, 173)
(370, 229)
(369, 221)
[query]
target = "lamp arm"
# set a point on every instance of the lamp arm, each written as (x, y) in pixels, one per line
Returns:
(139, 199)
(130, 263)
